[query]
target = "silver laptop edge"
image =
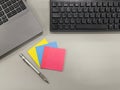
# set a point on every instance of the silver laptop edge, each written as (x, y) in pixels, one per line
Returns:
(19, 29)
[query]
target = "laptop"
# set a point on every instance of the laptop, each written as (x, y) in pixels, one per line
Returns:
(17, 24)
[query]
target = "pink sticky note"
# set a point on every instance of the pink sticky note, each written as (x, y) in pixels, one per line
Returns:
(53, 58)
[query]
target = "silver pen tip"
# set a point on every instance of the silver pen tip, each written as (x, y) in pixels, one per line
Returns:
(47, 81)
(43, 78)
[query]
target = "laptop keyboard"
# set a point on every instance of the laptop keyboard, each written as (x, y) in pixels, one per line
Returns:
(9, 8)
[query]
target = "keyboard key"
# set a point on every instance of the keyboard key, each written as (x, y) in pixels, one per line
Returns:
(9, 15)
(0, 8)
(16, 5)
(78, 21)
(85, 9)
(56, 15)
(14, 12)
(66, 27)
(11, 8)
(99, 4)
(4, 6)
(89, 21)
(75, 15)
(116, 26)
(18, 9)
(7, 10)
(91, 27)
(110, 4)
(94, 4)
(92, 15)
(91, 10)
(60, 4)
(94, 21)
(13, 1)
(72, 21)
(64, 15)
(69, 15)
(2, 1)
(55, 10)
(83, 21)
(96, 9)
(108, 15)
(60, 27)
(103, 15)
(88, 4)
(55, 27)
(114, 15)
(54, 4)
(86, 15)
(107, 10)
(117, 21)
(4, 19)
(76, 4)
(22, 5)
(80, 9)
(1, 22)
(100, 21)
(65, 4)
(71, 4)
(68, 9)
(116, 4)
(118, 9)
(72, 27)
(111, 21)
(102, 9)
(62, 9)
(97, 15)
(8, 3)
(61, 21)
(66, 21)
(82, 4)
(1, 13)
(74, 9)
(110, 27)
(81, 15)
(54, 21)
(105, 4)
(105, 21)
(112, 9)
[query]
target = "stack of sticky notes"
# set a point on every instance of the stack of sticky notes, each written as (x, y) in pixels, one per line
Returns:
(47, 55)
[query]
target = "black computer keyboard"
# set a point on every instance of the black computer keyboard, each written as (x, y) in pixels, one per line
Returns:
(9, 8)
(84, 15)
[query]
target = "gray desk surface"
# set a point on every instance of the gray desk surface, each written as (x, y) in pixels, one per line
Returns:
(92, 61)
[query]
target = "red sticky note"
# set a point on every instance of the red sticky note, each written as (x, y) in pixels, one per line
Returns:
(53, 58)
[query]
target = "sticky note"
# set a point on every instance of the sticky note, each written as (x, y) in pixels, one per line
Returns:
(53, 58)
(40, 49)
(32, 51)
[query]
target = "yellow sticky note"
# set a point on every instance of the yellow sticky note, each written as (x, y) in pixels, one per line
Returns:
(32, 51)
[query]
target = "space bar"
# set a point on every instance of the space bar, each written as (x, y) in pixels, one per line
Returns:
(91, 27)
